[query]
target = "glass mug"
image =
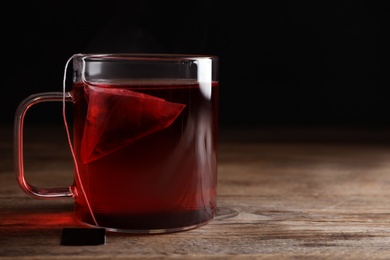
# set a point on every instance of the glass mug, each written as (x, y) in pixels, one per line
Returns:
(145, 130)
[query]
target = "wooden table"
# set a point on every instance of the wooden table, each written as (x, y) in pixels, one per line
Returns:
(296, 193)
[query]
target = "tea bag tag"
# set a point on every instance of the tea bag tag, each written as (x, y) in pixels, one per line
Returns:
(83, 236)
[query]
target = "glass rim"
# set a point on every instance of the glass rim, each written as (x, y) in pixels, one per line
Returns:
(143, 56)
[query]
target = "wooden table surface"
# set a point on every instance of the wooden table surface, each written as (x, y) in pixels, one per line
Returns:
(282, 194)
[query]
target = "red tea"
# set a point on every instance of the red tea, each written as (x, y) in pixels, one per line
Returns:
(147, 154)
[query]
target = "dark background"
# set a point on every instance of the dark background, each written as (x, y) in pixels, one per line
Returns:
(301, 63)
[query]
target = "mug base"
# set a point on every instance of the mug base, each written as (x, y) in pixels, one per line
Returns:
(146, 231)
(152, 223)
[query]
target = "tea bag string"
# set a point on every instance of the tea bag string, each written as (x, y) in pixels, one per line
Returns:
(68, 134)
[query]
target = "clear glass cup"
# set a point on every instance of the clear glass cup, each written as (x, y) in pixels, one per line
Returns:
(145, 137)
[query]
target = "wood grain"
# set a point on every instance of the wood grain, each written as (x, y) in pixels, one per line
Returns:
(293, 198)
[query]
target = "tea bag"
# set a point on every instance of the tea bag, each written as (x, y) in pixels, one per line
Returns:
(117, 117)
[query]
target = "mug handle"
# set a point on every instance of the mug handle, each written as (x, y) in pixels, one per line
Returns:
(43, 193)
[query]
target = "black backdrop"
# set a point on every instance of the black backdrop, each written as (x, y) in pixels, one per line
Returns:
(281, 63)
